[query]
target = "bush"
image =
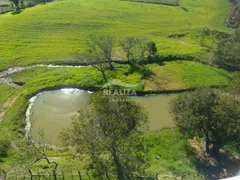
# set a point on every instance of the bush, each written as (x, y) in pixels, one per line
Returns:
(143, 70)
(170, 57)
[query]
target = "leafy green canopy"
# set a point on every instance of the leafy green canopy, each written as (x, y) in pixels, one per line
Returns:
(228, 53)
(209, 114)
(107, 130)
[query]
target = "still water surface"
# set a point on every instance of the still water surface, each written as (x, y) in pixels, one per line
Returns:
(52, 111)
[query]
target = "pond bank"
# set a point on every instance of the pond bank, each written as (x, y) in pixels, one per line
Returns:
(45, 78)
(55, 108)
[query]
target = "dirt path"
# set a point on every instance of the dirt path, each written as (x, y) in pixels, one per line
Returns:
(182, 42)
(9, 81)
(227, 165)
(11, 71)
(7, 104)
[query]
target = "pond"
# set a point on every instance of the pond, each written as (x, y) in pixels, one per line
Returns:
(51, 111)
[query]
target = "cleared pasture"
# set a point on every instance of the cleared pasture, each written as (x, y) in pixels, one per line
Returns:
(53, 32)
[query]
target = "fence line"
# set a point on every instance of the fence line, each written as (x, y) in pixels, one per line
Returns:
(21, 174)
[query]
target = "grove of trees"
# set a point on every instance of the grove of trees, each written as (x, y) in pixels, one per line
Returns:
(136, 49)
(99, 52)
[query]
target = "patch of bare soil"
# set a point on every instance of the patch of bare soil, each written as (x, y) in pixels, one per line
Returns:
(224, 166)
(6, 105)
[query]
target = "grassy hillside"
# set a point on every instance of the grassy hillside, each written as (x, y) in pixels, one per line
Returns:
(52, 32)
(177, 161)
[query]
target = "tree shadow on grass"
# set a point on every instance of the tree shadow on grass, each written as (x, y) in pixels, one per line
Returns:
(214, 168)
(16, 12)
(185, 9)
(157, 60)
(143, 70)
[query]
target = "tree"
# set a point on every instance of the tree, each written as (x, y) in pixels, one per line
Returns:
(227, 54)
(99, 53)
(22, 3)
(209, 114)
(96, 61)
(39, 153)
(128, 45)
(108, 131)
(209, 40)
(152, 50)
(101, 67)
(137, 48)
(102, 47)
(16, 3)
(141, 49)
(227, 122)
(234, 86)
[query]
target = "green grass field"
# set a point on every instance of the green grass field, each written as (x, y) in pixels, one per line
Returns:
(177, 161)
(183, 75)
(173, 75)
(52, 32)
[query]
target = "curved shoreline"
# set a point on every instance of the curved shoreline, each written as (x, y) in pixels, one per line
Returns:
(28, 126)
(33, 97)
(32, 100)
(139, 93)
